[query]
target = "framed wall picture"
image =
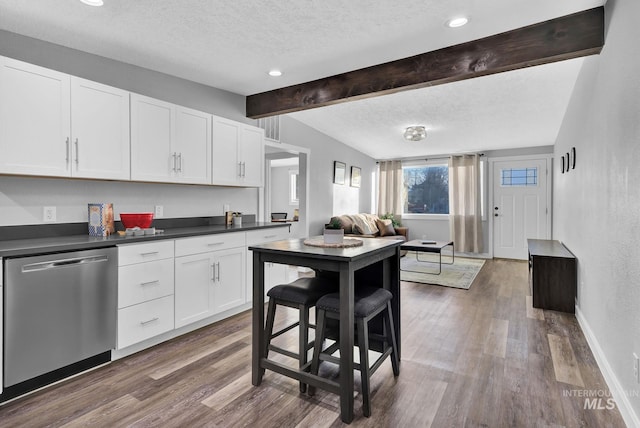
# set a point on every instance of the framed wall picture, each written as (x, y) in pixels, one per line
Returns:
(356, 176)
(339, 172)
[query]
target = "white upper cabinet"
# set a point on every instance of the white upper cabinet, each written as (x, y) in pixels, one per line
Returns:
(169, 143)
(100, 131)
(193, 146)
(35, 125)
(238, 153)
(53, 124)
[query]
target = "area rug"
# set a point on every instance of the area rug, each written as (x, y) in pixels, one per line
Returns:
(458, 275)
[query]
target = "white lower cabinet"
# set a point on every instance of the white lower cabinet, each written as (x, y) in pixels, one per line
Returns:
(145, 291)
(274, 273)
(209, 282)
(145, 320)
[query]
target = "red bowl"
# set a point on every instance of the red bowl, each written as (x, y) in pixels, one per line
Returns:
(141, 220)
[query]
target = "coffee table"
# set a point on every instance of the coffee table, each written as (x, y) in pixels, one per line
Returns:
(426, 246)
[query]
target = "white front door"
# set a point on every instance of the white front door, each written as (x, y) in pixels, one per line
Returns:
(519, 210)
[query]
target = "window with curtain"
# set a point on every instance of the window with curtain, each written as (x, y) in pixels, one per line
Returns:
(426, 189)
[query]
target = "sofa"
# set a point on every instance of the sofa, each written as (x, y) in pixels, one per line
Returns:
(369, 226)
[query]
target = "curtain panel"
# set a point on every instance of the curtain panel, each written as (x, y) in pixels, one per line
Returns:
(464, 203)
(390, 188)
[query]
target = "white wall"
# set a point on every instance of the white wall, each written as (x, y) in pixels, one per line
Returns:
(23, 198)
(597, 205)
(280, 190)
(324, 196)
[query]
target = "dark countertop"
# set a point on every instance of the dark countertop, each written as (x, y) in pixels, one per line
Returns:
(296, 247)
(32, 246)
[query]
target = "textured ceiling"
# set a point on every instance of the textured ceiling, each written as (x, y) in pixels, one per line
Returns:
(232, 44)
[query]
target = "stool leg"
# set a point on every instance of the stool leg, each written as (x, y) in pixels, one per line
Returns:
(268, 329)
(363, 344)
(303, 340)
(317, 347)
(391, 335)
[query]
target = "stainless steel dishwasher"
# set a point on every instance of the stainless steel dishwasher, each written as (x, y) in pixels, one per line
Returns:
(60, 309)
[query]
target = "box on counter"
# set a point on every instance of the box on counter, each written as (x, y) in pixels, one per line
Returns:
(101, 220)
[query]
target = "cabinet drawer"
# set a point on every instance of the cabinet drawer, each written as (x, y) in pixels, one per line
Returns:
(138, 253)
(144, 281)
(255, 237)
(203, 244)
(140, 322)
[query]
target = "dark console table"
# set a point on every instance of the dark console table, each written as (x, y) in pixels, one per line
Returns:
(552, 275)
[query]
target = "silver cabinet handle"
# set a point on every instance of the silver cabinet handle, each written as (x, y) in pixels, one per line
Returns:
(174, 161)
(77, 152)
(180, 162)
(67, 154)
(218, 274)
(244, 169)
(213, 244)
(157, 281)
(239, 169)
(149, 321)
(150, 253)
(213, 272)
(270, 236)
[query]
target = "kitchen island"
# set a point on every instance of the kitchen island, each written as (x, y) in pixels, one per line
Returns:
(376, 262)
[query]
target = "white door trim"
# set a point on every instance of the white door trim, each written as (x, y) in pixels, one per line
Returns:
(492, 160)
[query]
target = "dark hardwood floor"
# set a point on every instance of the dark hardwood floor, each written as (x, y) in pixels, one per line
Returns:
(470, 358)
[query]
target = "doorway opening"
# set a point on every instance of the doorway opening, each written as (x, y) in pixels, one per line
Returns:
(286, 187)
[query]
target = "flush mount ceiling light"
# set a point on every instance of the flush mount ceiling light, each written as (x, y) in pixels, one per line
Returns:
(275, 73)
(457, 22)
(415, 133)
(93, 2)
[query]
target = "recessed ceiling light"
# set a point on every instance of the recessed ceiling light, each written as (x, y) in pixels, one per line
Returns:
(275, 73)
(457, 22)
(93, 2)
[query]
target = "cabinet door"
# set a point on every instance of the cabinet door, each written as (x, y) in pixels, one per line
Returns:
(229, 286)
(34, 120)
(193, 146)
(152, 135)
(252, 156)
(226, 138)
(194, 279)
(100, 134)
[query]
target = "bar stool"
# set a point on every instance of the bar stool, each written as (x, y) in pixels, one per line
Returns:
(302, 294)
(368, 303)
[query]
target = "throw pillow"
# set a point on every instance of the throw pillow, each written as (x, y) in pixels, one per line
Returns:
(385, 227)
(363, 226)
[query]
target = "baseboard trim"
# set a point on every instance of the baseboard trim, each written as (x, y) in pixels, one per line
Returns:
(617, 391)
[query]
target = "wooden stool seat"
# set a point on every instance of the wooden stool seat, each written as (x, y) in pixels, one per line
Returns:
(368, 303)
(302, 294)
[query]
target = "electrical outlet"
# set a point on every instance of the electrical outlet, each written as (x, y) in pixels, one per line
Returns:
(159, 211)
(636, 367)
(49, 214)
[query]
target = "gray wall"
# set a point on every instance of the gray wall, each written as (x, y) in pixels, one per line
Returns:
(326, 198)
(22, 198)
(597, 205)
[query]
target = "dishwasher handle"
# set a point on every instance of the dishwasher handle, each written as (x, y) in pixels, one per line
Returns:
(53, 264)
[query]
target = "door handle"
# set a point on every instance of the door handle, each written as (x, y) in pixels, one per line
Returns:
(77, 152)
(218, 274)
(179, 162)
(67, 154)
(174, 161)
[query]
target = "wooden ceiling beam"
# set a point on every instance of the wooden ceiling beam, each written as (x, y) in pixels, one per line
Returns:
(571, 36)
